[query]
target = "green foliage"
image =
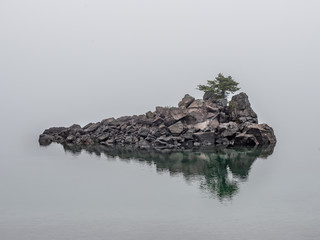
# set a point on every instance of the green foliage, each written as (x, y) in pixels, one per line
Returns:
(231, 104)
(221, 87)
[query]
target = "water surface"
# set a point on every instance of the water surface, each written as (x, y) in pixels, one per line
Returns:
(63, 192)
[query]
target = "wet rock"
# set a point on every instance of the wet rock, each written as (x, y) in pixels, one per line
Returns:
(262, 132)
(244, 139)
(205, 138)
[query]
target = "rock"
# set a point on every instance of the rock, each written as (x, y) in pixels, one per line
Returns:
(129, 140)
(157, 121)
(54, 130)
(243, 139)
(223, 117)
(214, 123)
(177, 113)
(202, 126)
(195, 116)
(186, 101)
(222, 102)
(149, 114)
(176, 129)
(241, 110)
(107, 121)
(165, 140)
(263, 133)
(197, 104)
(103, 137)
(205, 138)
(208, 95)
(162, 112)
(143, 132)
(188, 135)
(93, 127)
(45, 139)
(211, 109)
(211, 97)
(222, 142)
(70, 139)
(228, 129)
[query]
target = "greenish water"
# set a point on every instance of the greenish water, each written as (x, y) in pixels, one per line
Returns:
(58, 192)
(219, 172)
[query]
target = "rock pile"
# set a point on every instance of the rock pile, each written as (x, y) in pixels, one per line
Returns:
(204, 122)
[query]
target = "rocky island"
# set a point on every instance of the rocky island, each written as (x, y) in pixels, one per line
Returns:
(195, 123)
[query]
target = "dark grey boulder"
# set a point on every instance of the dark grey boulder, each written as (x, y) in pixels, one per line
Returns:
(241, 110)
(45, 139)
(244, 139)
(205, 138)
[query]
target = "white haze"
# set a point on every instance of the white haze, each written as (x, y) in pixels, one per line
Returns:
(65, 62)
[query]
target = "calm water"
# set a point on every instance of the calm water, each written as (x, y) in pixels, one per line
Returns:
(58, 192)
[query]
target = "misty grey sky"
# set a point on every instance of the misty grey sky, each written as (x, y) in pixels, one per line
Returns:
(68, 61)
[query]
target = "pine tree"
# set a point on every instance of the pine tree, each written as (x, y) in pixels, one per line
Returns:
(221, 87)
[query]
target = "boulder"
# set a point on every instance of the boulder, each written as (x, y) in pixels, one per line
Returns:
(262, 132)
(157, 121)
(244, 139)
(241, 110)
(197, 104)
(228, 129)
(202, 126)
(103, 137)
(45, 139)
(54, 130)
(176, 129)
(208, 95)
(143, 132)
(143, 144)
(149, 114)
(205, 138)
(177, 113)
(93, 127)
(186, 101)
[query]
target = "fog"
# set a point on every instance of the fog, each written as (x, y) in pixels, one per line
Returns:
(65, 62)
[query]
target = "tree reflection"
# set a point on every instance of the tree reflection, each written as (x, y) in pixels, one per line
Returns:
(219, 171)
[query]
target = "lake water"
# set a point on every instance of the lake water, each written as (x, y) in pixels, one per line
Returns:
(58, 192)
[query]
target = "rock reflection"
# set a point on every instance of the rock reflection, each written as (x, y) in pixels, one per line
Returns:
(219, 172)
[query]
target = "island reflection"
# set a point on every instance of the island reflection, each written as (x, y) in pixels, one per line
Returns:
(219, 172)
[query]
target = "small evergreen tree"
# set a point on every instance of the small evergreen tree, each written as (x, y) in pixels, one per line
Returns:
(221, 87)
